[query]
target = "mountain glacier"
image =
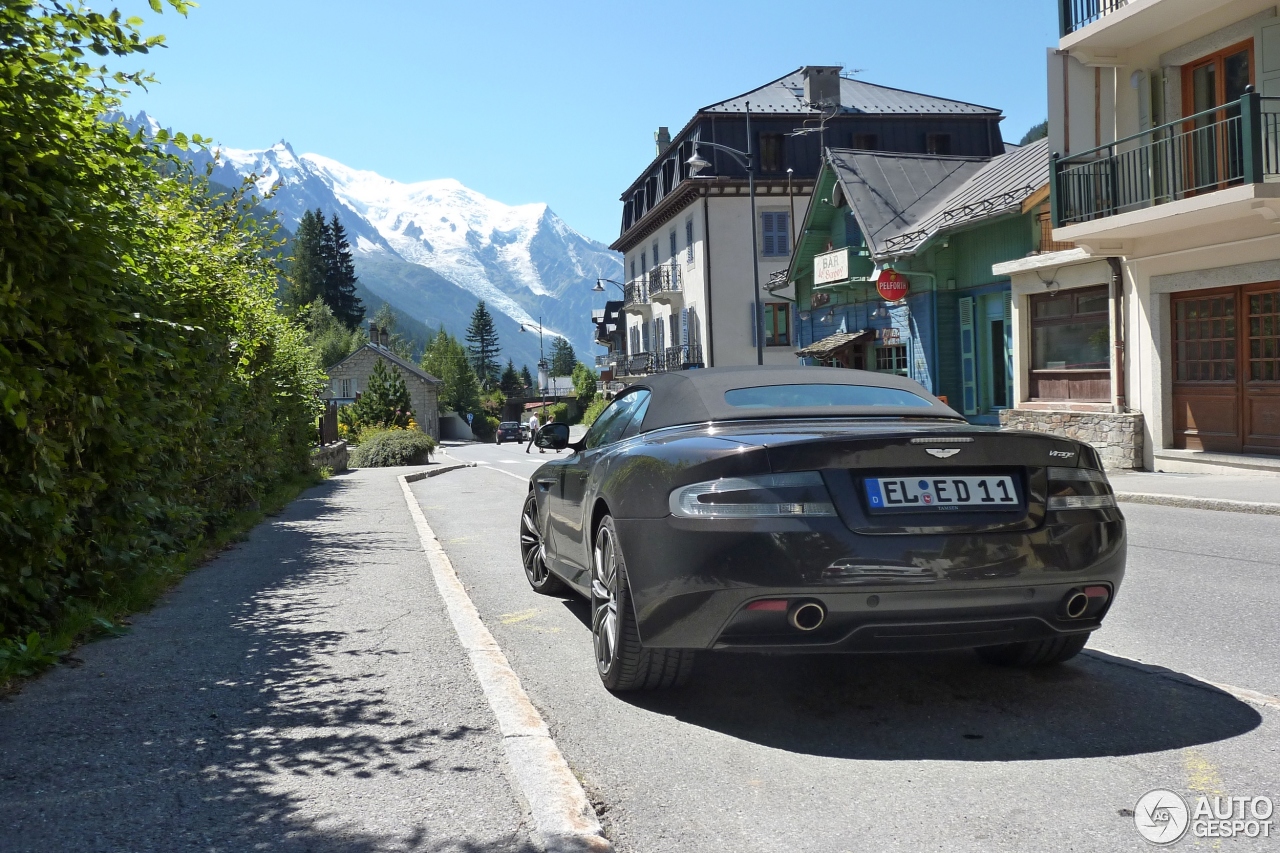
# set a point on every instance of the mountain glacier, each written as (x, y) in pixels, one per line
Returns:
(523, 260)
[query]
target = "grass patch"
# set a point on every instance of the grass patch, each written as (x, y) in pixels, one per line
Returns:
(85, 620)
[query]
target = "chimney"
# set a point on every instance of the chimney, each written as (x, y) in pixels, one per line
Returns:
(822, 85)
(373, 333)
(384, 337)
(663, 139)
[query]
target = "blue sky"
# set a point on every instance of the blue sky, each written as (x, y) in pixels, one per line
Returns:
(553, 101)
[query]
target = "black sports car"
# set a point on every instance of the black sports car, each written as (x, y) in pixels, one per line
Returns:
(817, 509)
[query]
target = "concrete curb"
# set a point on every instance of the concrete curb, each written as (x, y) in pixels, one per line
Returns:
(436, 472)
(561, 814)
(1253, 697)
(1215, 504)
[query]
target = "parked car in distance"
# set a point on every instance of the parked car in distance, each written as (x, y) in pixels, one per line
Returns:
(524, 432)
(781, 509)
(510, 431)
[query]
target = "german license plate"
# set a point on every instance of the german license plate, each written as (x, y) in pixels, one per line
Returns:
(931, 494)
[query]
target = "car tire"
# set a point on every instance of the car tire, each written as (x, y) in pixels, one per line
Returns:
(621, 661)
(1037, 653)
(533, 552)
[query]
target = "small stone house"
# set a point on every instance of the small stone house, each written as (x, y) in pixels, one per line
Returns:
(350, 377)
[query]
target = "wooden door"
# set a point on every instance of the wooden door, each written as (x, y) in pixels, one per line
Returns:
(1261, 405)
(1206, 371)
(1215, 147)
(1226, 363)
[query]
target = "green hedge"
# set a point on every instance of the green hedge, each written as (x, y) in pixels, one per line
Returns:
(149, 388)
(385, 448)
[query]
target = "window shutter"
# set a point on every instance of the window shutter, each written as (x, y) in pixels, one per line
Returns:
(755, 321)
(968, 357)
(1268, 72)
(688, 240)
(684, 327)
(766, 226)
(1008, 350)
(783, 235)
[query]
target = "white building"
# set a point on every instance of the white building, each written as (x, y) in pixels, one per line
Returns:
(1166, 117)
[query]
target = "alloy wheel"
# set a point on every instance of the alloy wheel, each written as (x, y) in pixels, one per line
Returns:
(531, 548)
(604, 599)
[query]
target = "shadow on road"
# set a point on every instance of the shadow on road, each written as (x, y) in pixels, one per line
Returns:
(216, 724)
(948, 707)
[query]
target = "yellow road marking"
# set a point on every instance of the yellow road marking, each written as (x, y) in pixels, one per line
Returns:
(522, 616)
(1202, 775)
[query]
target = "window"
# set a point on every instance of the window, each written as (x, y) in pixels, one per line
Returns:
(644, 263)
(866, 141)
(777, 324)
(688, 240)
(821, 396)
(633, 269)
(675, 250)
(892, 359)
(775, 227)
(771, 159)
(937, 143)
(1069, 331)
(346, 389)
(609, 426)
(1071, 345)
(655, 253)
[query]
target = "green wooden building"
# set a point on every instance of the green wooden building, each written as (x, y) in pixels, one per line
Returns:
(941, 223)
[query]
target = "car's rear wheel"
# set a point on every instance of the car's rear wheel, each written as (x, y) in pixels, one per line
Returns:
(623, 663)
(1036, 653)
(533, 552)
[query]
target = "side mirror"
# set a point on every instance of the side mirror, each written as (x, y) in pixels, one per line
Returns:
(553, 437)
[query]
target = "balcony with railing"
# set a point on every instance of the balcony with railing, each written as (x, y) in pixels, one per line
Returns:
(1196, 164)
(635, 296)
(677, 358)
(1075, 15)
(664, 283)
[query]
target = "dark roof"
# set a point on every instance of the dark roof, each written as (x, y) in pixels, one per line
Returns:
(786, 95)
(698, 396)
(394, 359)
(832, 344)
(901, 200)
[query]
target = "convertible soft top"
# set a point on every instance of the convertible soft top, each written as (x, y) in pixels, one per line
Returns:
(698, 396)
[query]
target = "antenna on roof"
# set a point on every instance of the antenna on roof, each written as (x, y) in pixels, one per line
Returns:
(851, 73)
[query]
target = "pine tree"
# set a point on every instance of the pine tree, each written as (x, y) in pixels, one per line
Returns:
(584, 384)
(526, 377)
(512, 385)
(309, 269)
(340, 281)
(563, 359)
(385, 402)
(446, 360)
(482, 344)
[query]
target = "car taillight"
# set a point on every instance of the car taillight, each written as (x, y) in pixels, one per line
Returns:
(791, 495)
(1079, 488)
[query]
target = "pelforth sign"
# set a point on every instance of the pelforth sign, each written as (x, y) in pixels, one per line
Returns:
(831, 266)
(892, 286)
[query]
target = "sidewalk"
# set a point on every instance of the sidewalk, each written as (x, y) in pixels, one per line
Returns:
(1227, 492)
(304, 691)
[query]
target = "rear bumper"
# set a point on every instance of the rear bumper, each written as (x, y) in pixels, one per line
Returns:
(691, 583)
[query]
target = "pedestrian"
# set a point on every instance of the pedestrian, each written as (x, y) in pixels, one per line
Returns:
(533, 433)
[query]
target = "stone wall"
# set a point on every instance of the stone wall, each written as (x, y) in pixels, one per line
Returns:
(358, 367)
(1116, 436)
(331, 456)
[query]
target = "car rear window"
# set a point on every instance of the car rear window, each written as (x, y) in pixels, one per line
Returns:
(820, 396)
(508, 425)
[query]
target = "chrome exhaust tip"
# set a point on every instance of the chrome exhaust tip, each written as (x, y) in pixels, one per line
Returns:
(1075, 604)
(807, 616)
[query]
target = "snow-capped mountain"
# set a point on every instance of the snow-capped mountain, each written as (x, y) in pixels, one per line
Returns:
(524, 261)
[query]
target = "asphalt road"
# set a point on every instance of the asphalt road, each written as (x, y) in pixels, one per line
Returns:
(905, 752)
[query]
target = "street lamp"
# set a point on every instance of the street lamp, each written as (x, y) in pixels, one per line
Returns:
(599, 288)
(542, 362)
(745, 159)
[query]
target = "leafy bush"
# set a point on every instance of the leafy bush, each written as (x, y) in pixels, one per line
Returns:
(485, 427)
(386, 448)
(593, 411)
(149, 387)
